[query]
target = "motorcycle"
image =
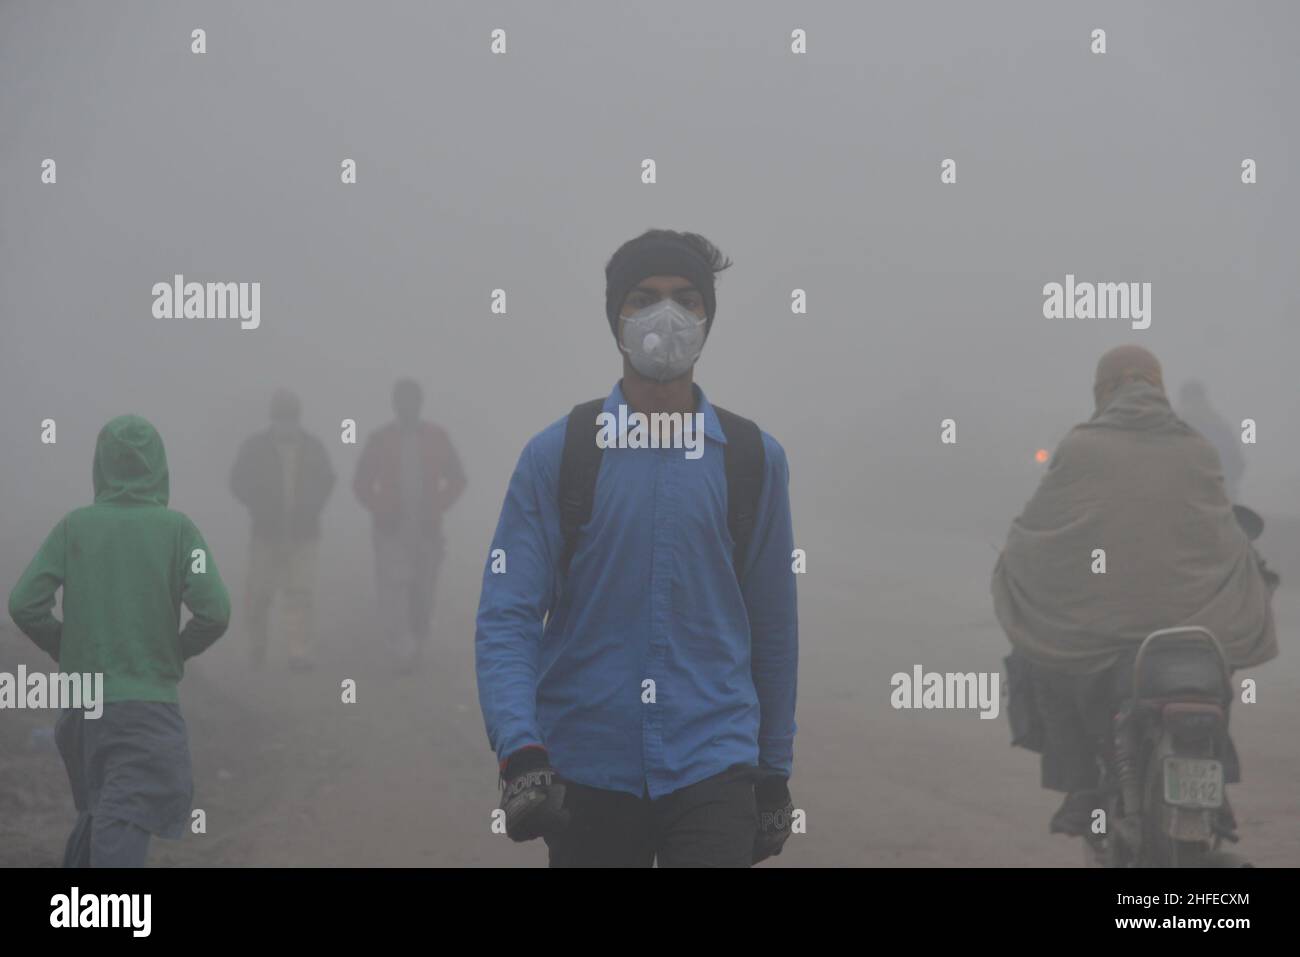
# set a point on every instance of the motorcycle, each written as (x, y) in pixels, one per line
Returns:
(1163, 777)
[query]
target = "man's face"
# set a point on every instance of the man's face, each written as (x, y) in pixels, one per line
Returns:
(654, 288)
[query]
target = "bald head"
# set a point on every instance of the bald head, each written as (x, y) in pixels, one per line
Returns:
(1125, 364)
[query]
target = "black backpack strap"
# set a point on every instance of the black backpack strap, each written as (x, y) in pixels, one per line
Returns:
(744, 461)
(746, 465)
(579, 467)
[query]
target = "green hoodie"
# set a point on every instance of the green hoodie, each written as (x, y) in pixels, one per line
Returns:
(126, 564)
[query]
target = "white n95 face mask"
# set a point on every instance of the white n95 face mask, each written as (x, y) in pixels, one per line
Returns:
(663, 340)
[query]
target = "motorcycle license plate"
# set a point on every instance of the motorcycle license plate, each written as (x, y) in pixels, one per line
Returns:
(1193, 782)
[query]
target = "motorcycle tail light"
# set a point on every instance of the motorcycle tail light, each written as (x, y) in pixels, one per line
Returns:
(1188, 720)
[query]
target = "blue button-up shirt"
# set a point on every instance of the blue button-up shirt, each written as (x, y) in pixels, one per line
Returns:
(651, 596)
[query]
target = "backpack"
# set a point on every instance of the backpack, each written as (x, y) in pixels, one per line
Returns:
(743, 459)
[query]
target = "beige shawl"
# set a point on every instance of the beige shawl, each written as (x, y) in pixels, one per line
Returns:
(1138, 482)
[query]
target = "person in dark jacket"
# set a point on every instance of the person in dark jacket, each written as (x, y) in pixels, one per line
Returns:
(284, 478)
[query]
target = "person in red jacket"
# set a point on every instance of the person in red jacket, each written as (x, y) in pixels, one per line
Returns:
(408, 476)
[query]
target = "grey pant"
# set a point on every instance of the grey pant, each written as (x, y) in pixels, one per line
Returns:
(406, 571)
(131, 778)
(106, 842)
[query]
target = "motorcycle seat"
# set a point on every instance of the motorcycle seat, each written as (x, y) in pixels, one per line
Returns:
(1181, 663)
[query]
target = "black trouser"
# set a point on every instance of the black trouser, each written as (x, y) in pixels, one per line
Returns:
(1078, 713)
(708, 824)
(1078, 721)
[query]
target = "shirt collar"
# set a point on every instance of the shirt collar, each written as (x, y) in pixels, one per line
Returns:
(712, 425)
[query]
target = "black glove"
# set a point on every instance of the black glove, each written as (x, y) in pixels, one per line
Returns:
(532, 796)
(775, 808)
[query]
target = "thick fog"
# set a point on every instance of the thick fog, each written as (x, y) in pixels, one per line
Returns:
(522, 172)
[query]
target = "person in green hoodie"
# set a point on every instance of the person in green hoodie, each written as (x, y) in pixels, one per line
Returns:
(126, 565)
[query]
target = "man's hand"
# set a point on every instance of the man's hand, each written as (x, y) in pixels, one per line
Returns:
(772, 794)
(532, 796)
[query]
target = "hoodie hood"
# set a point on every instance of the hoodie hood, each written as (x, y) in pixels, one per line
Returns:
(130, 463)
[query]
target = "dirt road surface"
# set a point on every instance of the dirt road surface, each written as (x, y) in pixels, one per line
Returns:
(287, 774)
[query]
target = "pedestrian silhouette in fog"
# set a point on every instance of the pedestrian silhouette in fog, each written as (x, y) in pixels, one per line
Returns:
(283, 476)
(1194, 408)
(408, 476)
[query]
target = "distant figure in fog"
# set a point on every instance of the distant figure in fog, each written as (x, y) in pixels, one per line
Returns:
(126, 565)
(1194, 408)
(408, 476)
(283, 476)
(1138, 482)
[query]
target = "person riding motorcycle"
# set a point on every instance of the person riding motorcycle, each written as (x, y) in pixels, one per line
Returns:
(1130, 531)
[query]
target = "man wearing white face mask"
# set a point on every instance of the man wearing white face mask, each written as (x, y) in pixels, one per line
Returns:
(637, 658)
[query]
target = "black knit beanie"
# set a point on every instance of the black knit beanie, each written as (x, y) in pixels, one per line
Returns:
(655, 255)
